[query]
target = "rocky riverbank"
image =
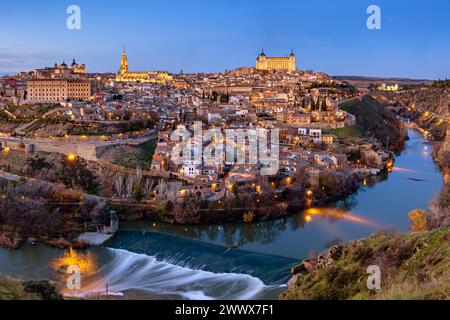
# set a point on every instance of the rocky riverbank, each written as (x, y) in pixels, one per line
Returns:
(13, 241)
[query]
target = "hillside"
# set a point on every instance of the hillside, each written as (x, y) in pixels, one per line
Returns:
(413, 266)
(374, 121)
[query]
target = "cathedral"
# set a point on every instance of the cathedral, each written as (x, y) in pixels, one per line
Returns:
(276, 63)
(140, 77)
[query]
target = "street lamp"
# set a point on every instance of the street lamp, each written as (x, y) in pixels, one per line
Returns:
(71, 157)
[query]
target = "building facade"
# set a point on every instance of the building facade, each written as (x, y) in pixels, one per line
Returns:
(62, 71)
(124, 75)
(78, 68)
(57, 90)
(264, 62)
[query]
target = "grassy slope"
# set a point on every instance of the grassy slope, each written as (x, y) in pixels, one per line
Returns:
(11, 289)
(132, 156)
(346, 132)
(414, 266)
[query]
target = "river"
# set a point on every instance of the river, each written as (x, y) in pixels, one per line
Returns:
(241, 261)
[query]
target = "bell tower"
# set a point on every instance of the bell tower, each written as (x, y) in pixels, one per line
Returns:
(124, 63)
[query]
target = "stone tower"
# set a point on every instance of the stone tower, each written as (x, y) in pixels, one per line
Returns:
(124, 63)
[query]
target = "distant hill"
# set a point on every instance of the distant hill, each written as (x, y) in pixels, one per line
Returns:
(384, 79)
(363, 83)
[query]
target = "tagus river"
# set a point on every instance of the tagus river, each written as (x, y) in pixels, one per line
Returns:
(250, 261)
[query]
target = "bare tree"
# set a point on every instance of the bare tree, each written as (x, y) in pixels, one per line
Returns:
(138, 176)
(168, 190)
(129, 186)
(148, 186)
(118, 185)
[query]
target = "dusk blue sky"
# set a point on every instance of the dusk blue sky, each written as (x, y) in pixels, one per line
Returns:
(209, 36)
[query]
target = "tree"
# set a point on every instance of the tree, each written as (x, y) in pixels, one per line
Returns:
(248, 217)
(324, 105)
(313, 105)
(119, 182)
(188, 212)
(418, 218)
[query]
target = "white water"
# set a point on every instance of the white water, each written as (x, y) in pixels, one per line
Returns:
(131, 271)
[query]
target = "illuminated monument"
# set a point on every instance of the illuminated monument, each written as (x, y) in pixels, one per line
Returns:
(276, 63)
(140, 77)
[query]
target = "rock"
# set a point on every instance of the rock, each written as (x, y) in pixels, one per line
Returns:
(10, 241)
(64, 244)
(32, 241)
(305, 267)
(58, 243)
(292, 282)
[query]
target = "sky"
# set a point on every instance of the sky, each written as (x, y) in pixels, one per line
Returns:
(217, 35)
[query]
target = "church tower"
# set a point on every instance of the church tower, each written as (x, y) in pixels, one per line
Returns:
(124, 63)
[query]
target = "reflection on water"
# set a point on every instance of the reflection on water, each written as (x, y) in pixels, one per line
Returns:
(333, 214)
(403, 170)
(85, 261)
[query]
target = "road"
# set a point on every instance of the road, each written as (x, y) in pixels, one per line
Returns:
(132, 141)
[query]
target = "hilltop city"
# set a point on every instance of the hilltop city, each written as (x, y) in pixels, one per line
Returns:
(82, 152)
(118, 127)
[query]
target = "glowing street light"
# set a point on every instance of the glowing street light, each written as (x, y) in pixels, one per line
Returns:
(71, 157)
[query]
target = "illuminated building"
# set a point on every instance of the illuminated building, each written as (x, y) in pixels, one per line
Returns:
(385, 87)
(58, 71)
(58, 90)
(124, 75)
(264, 62)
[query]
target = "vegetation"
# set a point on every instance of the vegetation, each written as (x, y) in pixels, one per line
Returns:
(374, 121)
(347, 132)
(132, 156)
(12, 289)
(418, 219)
(415, 266)
(334, 85)
(441, 84)
(73, 174)
(47, 211)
